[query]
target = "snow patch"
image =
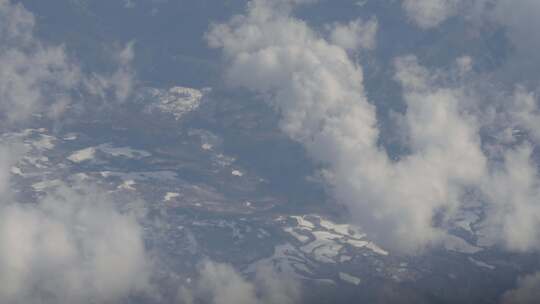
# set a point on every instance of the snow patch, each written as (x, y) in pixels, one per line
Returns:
(141, 176)
(324, 248)
(43, 185)
(300, 237)
(122, 151)
(302, 222)
(16, 171)
(82, 155)
(177, 101)
(46, 142)
(237, 173)
(170, 195)
(342, 229)
(127, 185)
(90, 153)
(70, 137)
(349, 278)
(481, 264)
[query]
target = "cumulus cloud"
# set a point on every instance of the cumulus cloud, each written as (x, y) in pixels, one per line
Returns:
(318, 90)
(74, 246)
(406, 203)
(221, 284)
(527, 291)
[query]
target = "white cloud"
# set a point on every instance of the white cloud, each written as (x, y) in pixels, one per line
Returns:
(318, 90)
(430, 13)
(35, 78)
(355, 35)
(40, 79)
(221, 284)
(74, 246)
(523, 112)
(513, 189)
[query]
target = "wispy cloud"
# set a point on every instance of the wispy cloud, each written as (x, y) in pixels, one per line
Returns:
(74, 245)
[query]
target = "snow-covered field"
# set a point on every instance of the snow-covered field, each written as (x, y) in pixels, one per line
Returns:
(177, 101)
